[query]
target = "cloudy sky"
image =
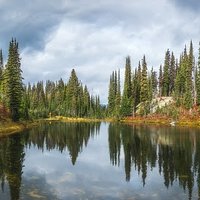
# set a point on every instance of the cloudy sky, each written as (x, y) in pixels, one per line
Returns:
(94, 37)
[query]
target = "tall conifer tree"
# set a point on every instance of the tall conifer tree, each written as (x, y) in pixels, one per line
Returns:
(144, 82)
(172, 74)
(198, 79)
(188, 102)
(14, 86)
(127, 99)
(1, 75)
(160, 79)
(112, 94)
(165, 91)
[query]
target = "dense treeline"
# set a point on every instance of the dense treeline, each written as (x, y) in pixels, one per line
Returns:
(178, 78)
(58, 98)
(43, 99)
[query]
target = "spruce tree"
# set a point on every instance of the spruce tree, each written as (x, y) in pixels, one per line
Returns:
(1, 75)
(144, 82)
(165, 90)
(154, 82)
(118, 96)
(198, 79)
(137, 86)
(160, 79)
(172, 74)
(73, 88)
(1, 66)
(112, 94)
(86, 100)
(14, 86)
(188, 101)
(127, 99)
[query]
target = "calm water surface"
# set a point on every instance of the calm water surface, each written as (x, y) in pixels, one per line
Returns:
(88, 161)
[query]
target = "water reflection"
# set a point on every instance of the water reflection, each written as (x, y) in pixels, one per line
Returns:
(73, 136)
(11, 164)
(58, 136)
(176, 152)
(166, 156)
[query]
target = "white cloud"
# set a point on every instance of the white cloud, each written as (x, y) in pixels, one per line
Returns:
(95, 39)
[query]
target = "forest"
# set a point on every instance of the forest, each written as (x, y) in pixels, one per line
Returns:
(178, 78)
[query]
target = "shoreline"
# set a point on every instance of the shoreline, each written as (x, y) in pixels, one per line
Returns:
(8, 127)
(163, 121)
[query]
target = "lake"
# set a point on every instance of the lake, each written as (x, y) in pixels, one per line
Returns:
(102, 161)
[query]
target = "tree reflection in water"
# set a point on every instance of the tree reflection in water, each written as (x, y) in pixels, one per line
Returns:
(73, 136)
(174, 151)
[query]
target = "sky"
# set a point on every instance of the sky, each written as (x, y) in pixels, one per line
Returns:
(94, 37)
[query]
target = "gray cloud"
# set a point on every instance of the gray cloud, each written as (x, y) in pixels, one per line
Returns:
(94, 38)
(187, 4)
(30, 22)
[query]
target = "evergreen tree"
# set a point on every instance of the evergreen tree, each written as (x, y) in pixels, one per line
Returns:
(118, 96)
(165, 91)
(127, 99)
(86, 100)
(73, 89)
(160, 81)
(154, 82)
(198, 79)
(112, 94)
(144, 82)
(137, 86)
(13, 80)
(188, 102)
(1, 65)
(1, 75)
(172, 74)
(181, 78)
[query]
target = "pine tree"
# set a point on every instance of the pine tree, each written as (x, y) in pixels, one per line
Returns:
(1, 75)
(181, 78)
(1, 65)
(188, 102)
(127, 81)
(118, 96)
(172, 74)
(127, 99)
(144, 82)
(160, 81)
(150, 87)
(137, 86)
(14, 88)
(86, 100)
(165, 91)
(112, 94)
(198, 79)
(73, 88)
(154, 82)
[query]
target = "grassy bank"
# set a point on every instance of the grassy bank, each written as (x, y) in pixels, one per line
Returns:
(77, 119)
(164, 120)
(9, 127)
